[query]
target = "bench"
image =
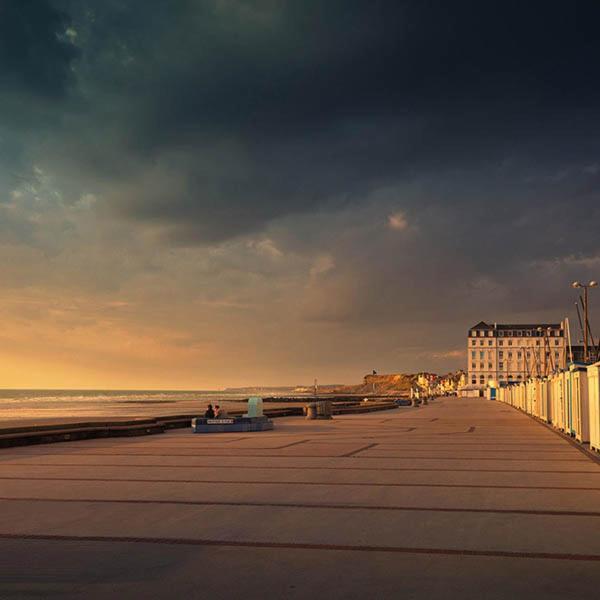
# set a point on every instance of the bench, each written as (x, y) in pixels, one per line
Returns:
(233, 424)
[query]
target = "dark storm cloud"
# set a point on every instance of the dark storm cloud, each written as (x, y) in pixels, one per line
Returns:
(241, 112)
(35, 72)
(215, 117)
(35, 56)
(277, 67)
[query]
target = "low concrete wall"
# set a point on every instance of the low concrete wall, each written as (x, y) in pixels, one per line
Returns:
(67, 432)
(45, 434)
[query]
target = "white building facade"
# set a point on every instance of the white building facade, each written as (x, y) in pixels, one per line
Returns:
(505, 353)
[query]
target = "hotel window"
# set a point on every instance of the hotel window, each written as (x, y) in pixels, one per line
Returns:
(473, 333)
(474, 381)
(481, 365)
(481, 354)
(474, 366)
(473, 343)
(510, 355)
(481, 342)
(490, 366)
(520, 333)
(490, 334)
(473, 354)
(537, 342)
(556, 355)
(510, 342)
(501, 365)
(501, 343)
(501, 354)
(509, 333)
(528, 333)
(501, 334)
(518, 355)
(489, 342)
(481, 379)
(556, 342)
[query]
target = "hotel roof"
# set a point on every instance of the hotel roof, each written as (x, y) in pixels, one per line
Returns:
(505, 326)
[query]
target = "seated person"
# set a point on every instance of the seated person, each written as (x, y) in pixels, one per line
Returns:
(210, 413)
(220, 413)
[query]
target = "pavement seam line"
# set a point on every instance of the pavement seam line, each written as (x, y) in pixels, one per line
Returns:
(354, 452)
(304, 546)
(294, 467)
(315, 483)
(556, 513)
(196, 455)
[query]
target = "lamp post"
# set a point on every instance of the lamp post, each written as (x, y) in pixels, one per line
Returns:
(585, 287)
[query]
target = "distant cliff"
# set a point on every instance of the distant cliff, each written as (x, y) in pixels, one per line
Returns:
(395, 383)
(399, 383)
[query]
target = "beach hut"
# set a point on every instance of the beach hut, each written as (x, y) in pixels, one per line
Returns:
(568, 379)
(537, 384)
(593, 378)
(531, 396)
(500, 394)
(491, 391)
(505, 394)
(544, 408)
(563, 378)
(579, 402)
(522, 397)
(557, 393)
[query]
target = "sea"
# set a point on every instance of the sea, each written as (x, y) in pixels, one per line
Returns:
(55, 405)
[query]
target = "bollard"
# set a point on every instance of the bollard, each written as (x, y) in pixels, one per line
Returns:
(311, 410)
(324, 409)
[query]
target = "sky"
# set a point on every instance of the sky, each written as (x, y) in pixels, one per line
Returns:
(208, 193)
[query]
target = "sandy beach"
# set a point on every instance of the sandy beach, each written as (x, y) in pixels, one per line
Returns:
(44, 407)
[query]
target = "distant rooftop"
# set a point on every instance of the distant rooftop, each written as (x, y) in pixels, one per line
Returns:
(505, 326)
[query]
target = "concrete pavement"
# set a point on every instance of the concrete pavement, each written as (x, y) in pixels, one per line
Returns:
(463, 498)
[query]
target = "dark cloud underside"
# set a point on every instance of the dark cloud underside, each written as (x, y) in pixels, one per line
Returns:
(269, 108)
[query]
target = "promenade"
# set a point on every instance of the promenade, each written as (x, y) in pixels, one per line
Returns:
(464, 498)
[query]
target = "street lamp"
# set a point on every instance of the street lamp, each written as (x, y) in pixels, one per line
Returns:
(585, 287)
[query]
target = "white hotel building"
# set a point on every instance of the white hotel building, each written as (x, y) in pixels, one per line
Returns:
(512, 353)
